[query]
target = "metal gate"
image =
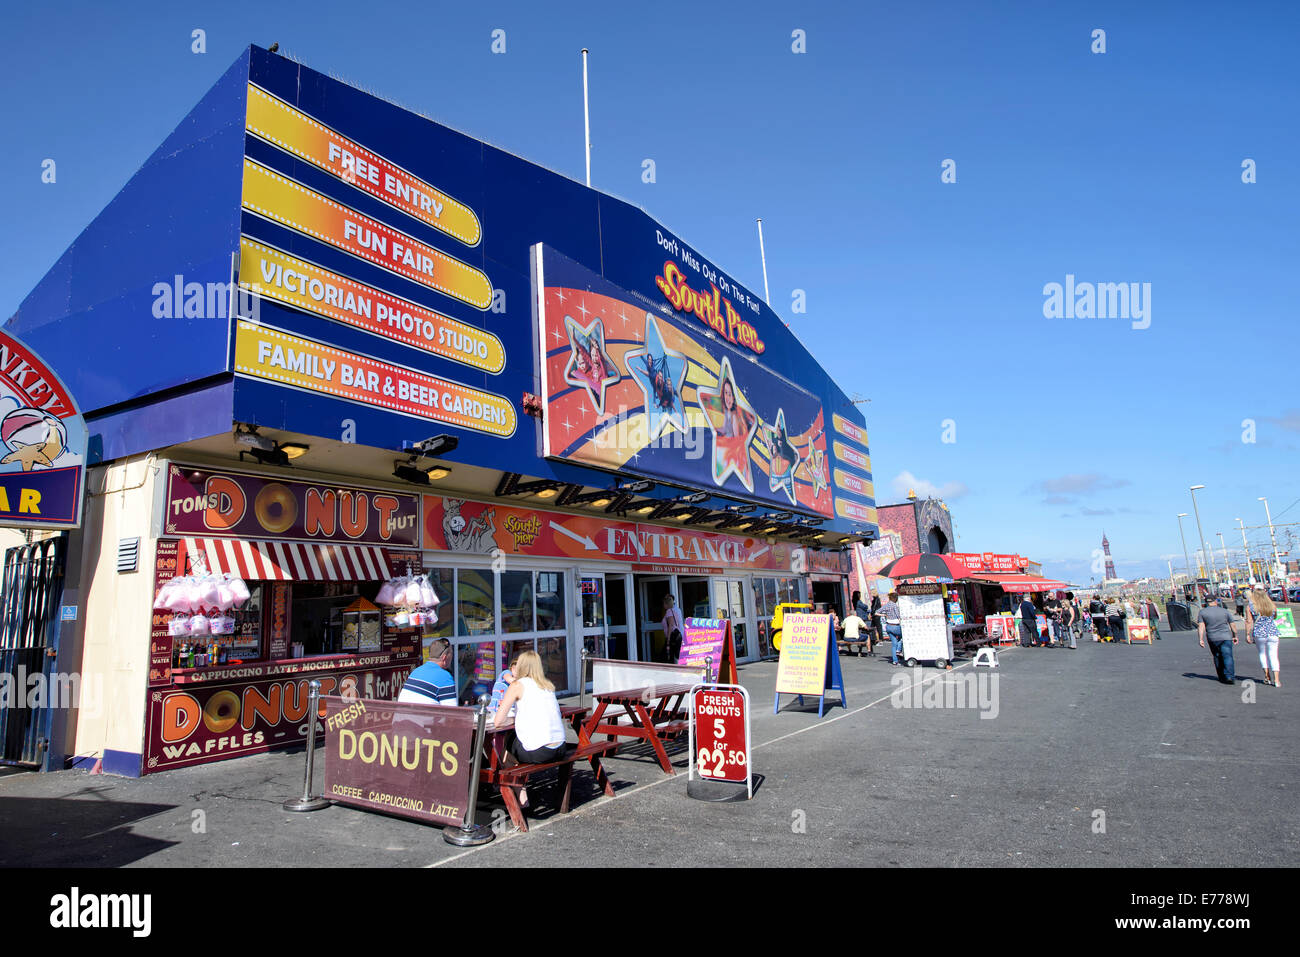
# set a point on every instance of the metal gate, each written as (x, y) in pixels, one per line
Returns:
(29, 630)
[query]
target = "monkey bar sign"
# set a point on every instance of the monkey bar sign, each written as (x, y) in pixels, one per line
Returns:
(411, 760)
(42, 443)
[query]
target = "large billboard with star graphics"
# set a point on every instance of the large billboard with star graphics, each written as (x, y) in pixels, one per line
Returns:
(383, 291)
(643, 390)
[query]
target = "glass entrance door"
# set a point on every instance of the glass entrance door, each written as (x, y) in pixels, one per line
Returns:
(729, 602)
(592, 620)
(618, 644)
(651, 592)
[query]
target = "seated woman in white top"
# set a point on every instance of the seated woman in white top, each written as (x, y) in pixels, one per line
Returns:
(539, 731)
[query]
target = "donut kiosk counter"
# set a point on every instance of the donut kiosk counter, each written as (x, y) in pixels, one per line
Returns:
(262, 585)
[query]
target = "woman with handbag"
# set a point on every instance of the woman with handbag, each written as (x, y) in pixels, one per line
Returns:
(672, 625)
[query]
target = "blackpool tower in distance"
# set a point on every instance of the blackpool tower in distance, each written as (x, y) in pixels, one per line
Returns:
(1110, 562)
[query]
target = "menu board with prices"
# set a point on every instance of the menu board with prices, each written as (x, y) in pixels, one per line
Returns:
(926, 635)
(161, 643)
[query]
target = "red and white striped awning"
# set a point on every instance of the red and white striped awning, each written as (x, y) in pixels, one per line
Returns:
(1020, 583)
(291, 561)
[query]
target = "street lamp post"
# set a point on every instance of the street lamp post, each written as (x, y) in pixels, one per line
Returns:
(1277, 560)
(1214, 571)
(1250, 568)
(1227, 567)
(1186, 559)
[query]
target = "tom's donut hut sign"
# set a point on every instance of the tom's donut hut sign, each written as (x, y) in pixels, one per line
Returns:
(42, 443)
(311, 557)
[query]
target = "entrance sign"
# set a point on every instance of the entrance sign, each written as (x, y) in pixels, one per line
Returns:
(809, 662)
(720, 742)
(710, 638)
(411, 760)
(42, 443)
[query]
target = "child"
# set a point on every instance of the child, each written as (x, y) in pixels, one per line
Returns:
(506, 679)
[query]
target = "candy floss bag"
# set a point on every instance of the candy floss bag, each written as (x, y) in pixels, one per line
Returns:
(386, 596)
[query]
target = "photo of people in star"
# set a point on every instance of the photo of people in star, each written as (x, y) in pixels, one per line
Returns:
(589, 366)
(734, 424)
(785, 459)
(661, 374)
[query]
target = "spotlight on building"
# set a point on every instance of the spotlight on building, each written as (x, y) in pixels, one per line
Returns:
(249, 438)
(433, 447)
(407, 472)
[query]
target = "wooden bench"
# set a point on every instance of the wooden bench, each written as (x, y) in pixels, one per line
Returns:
(848, 643)
(651, 726)
(510, 779)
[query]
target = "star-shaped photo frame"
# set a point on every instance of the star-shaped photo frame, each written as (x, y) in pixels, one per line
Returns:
(785, 460)
(661, 373)
(815, 466)
(589, 366)
(734, 430)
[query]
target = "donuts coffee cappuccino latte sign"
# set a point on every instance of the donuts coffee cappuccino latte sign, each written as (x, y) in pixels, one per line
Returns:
(242, 505)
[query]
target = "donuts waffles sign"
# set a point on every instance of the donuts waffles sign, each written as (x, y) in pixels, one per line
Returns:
(242, 505)
(198, 724)
(42, 443)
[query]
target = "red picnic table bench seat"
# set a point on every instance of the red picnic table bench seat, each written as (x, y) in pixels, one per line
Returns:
(653, 727)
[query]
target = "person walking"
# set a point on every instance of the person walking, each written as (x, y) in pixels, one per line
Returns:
(863, 611)
(893, 619)
(1115, 620)
(1217, 627)
(1055, 622)
(1097, 611)
(1028, 623)
(672, 625)
(1261, 631)
(877, 623)
(1152, 615)
(1071, 615)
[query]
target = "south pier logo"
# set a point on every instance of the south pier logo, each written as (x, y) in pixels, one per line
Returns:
(524, 531)
(710, 307)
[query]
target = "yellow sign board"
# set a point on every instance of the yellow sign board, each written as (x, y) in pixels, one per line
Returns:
(804, 644)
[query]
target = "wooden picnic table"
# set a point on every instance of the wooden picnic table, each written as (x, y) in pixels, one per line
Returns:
(510, 779)
(654, 726)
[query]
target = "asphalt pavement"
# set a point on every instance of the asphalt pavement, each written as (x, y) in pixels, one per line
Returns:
(1110, 755)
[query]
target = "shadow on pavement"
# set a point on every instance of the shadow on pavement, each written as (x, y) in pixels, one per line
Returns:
(63, 837)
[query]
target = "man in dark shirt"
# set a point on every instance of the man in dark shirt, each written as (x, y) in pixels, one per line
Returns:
(1217, 627)
(1028, 623)
(1097, 611)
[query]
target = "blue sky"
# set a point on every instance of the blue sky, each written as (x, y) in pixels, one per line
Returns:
(927, 297)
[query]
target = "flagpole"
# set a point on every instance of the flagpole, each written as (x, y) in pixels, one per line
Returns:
(763, 256)
(586, 115)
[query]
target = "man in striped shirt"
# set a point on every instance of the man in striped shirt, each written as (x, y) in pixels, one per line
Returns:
(432, 682)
